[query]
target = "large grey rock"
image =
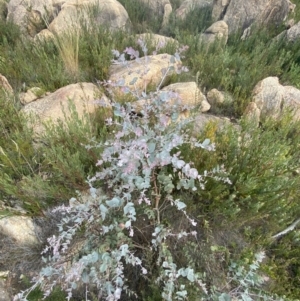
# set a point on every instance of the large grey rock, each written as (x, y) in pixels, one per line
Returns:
(272, 99)
(189, 95)
(219, 9)
(81, 95)
(217, 98)
(31, 95)
(188, 5)
(108, 13)
(252, 113)
(201, 120)
(20, 228)
(167, 12)
(137, 75)
(30, 15)
(292, 6)
(62, 15)
(268, 96)
(240, 14)
(44, 35)
(292, 34)
(184, 96)
(275, 12)
(217, 31)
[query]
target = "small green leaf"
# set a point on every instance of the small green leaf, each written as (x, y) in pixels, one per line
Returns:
(246, 297)
(114, 202)
(129, 209)
(85, 277)
(180, 205)
(151, 147)
(206, 142)
(190, 275)
(224, 297)
(103, 267)
(103, 211)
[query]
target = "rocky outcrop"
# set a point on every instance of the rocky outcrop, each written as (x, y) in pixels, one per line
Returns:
(108, 13)
(167, 12)
(275, 12)
(240, 14)
(252, 113)
(57, 105)
(31, 95)
(219, 9)
(292, 34)
(185, 96)
(201, 120)
(44, 35)
(29, 14)
(217, 31)
(189, 96)
(137, 75)
(217, 98)
(20, 228)
(272, 99)
(59, 16)
(189, 5)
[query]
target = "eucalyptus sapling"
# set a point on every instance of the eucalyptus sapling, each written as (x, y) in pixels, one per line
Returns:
(140, 168)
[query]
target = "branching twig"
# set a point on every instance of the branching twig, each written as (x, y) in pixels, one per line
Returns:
(287, 230)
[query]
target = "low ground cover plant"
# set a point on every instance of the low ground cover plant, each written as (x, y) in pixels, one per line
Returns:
(37, 172)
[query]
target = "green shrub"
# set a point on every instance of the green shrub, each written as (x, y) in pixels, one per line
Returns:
(283, 266)
(18, 157)
(47, 71)
(59, 61)
(261, 163)
(296, 14)
(239, 66)
(47, 173)
(9, 33)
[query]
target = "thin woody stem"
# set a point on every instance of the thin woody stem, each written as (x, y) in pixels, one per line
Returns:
(157, 196)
